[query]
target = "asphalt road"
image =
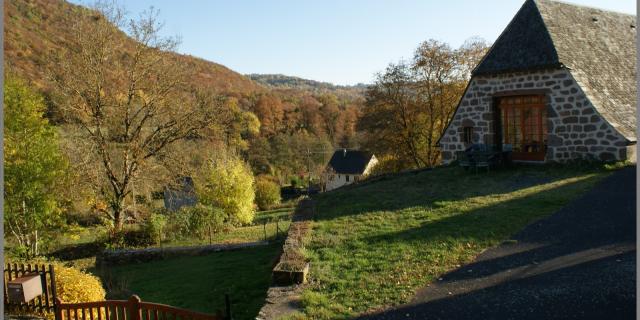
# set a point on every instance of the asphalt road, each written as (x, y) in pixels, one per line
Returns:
(579, 263)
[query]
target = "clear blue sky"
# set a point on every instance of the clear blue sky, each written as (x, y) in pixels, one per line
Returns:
(338, 41)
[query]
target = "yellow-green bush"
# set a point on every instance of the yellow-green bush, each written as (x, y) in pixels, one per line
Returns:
(73, 285)
(229, 185)
(267, 193)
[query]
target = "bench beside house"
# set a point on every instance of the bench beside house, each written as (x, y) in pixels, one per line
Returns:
(558, 84)
(347, 167)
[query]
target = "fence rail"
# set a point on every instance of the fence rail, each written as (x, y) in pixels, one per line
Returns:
(44, 302)
(132, 309)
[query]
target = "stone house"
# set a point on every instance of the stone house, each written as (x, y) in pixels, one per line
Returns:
(347, 167)
(558, 84)
(182, 194)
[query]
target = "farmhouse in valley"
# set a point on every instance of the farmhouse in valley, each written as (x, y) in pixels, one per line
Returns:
(558, 84)
(346, 167)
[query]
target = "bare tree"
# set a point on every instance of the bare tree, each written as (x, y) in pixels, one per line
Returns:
(131, 99)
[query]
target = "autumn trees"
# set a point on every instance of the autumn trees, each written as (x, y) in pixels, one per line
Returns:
(410, 103)
(294, 123)
(131, 103)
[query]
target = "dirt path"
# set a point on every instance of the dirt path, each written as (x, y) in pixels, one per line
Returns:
(579, 263)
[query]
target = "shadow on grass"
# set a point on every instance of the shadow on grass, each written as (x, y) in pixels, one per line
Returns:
(578, 263)
(428, 188)
(199, 283)
(486, 223)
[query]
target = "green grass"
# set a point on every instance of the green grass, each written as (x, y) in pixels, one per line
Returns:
(199, 283)
(373, 246)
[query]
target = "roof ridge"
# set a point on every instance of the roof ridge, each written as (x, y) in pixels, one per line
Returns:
(569, 3)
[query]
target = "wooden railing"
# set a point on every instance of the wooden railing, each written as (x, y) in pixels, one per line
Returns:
(132, 309)
(44, 302)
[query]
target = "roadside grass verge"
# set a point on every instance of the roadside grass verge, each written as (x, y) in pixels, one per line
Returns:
(374, 245)
(199, 283)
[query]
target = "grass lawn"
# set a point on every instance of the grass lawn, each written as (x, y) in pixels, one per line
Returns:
(199, 283)
(374, 245)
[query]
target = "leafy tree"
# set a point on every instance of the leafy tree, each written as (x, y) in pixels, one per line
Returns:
(133, 103)
(35, 169)
(228, 184)
(410, 103)
(267, 193)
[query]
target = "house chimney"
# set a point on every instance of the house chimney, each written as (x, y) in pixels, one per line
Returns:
(344, 152)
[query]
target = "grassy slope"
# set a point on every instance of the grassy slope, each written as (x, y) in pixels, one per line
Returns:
(199, 283)
(374, 245)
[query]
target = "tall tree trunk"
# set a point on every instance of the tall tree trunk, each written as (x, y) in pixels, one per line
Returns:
(118, 210)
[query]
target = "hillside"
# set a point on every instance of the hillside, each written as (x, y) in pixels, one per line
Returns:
(279, 81)
(35, 29)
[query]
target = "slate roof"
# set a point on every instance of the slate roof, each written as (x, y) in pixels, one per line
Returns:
(597, 46)
(350, 161)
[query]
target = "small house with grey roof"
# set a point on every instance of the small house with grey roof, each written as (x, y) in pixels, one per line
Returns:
(347, 167)
(558, 84)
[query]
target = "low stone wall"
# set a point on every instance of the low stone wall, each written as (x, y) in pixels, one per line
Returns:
(289, 275)
(125, 256)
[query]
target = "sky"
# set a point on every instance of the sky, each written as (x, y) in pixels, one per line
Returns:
(339, 41)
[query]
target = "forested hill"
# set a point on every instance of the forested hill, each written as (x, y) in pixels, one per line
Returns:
(35, 29)
(281, 81)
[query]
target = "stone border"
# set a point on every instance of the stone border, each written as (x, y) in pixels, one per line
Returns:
(126, 256)
(290, 274)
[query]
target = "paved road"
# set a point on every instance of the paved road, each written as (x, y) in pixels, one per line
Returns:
(579, 263)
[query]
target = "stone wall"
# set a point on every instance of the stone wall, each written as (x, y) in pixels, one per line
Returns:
(575, 129)
(126, 256)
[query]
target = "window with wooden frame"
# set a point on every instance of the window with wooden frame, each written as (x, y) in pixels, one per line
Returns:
(467, 135)
(523, 120)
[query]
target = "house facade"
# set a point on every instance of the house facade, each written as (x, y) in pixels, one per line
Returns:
(347, 167)
(558, 84)
(183, 194)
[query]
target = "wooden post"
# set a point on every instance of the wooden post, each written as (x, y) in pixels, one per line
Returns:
(134, 308)
(57, 309)
(227, 303)
(52, 278)
(210, 241)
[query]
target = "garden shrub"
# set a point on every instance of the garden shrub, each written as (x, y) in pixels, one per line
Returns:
(131, 238)
(267, 193)
(73, 285)
(155, 225)
(229, 185)
(204, 218)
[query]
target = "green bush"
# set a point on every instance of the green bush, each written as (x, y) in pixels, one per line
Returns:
(155, 226)
(267, 193)
(131, 238)
(204, 219)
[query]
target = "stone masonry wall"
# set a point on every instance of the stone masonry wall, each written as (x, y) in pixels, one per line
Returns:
(575, 129)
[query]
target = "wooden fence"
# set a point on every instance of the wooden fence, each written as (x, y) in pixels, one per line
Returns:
(132, 309)
(44, 302)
